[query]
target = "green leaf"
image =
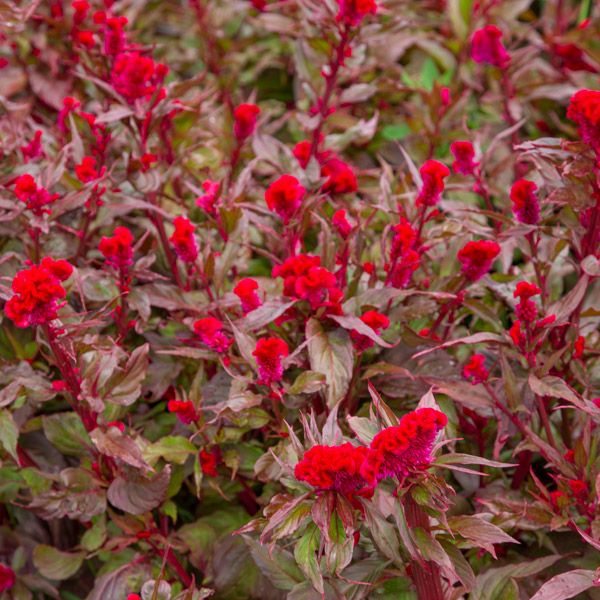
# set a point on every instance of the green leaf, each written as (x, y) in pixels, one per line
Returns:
(395, 132)
(332, 354)
(172, 448)
(66, 432)
(9, 433)
(305, 553)
(308, 382)
(277, 565)
(94, 537)
(54, 564)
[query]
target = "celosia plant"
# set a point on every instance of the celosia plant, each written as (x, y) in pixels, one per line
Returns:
(299, 300)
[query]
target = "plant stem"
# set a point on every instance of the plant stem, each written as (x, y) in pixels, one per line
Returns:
(425, 574)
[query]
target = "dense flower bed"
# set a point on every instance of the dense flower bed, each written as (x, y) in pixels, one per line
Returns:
(300, 299)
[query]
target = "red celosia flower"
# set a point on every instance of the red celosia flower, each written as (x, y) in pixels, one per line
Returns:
(525, 203)
(37, 291)
(579, 489)
(134, 597)
(36, 198)
(117, 249)
(477, 258)
(337, 468)
(134, 76)
(294, 267)
(208, 201)
(84, 37)
(114, 35)
(34, 148)
(376, 321)
(404, 238)
(400, 450)
(259, 4)
(210, 332)
(302, 153)
(516, 334)
(183, 240)
(341, 223)
(284, 196)
(269, 353)
(559, 500)
(245, 290)
(341, 179)
(584, 109)
(209, 461)
(245, 117)
(572, 57)
(433, 174)
(352, 12)
(148, 159)
(69, 105)
(475, 370)
(81, 9)
(87, 171)
(526, 309)
(579, 347)
(317, 286)
(184, 410)
(7, 578)
(400, 272)
(487, 47)
(463, 153)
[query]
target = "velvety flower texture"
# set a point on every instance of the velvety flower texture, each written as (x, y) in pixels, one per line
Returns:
(244, 120)
(525, 203)
(397, 451)
(340, 178)
(584, 109)
(526, 309)
(572, 57)
(209, 460)
(475, 370)
(183, 240)
(37, 291)
(404, 259)
(487, 47)
(86, 171)
(117, 249)
(7, 578)
(341, 223)
(337, 468)
(376, 321)
(352, 12)
(135, 76)
(477, 258)
(35, 198)
(245, 290)
(184, 409)
(210, 332)
(269, 354)
(464, 155)
(208, 200)
(284, 196)
(433, 174)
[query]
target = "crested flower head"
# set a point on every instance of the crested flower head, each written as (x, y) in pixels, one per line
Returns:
(245, 290)
(433, 174)
(464, 155)
(183, 240)
(475, 370)
(269, 353)
(117, 249)
(244, 120)
(584, 110)
(487, 47)
(525, 203)
(284, 196)
(376, 321)
(210, 332)
(477, 258)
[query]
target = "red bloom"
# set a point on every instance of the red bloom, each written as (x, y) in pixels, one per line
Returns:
(81, 9)
(37, 291)
(579, 489)
(209, 461)
(27, 191)
(210, 332)
(134, 76)
(477, 258)
(463, 153)
(84, 37)
(245, 290)
(487, 47)
(337, 468)
(404, 260)
(184, 410)
(404, 238)
(584, 109)
(559, 500)
(516, 334)
(183, 240)
(34, 148)
(134, 597)
(114, 35)
(208, 201)
(526, 309)
(69, 105)
(433, 174)
(579, 347)
(352, 12)
(341, 223)
(341, 179)
(475, 370)
(269, 353)
(7, 578)
(526, 205)
(245, 117)
(117, 249)
(284, 196)
(572, 57)
(302, 153)
(397, 451)
(87, 171)
(376, 321)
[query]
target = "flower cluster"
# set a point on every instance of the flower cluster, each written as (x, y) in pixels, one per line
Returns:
(525, 203)
(269, 354)
(244, 120)
(245, 290)
(284, 196)
(37, 292)
(352, 12)
(117, 249)
(183, 240)
(433, 174)
(7, 578)
(475, 370)
(210, 332)
(35, 198)
(376, 321)
(464, 157)
(136, 77)
(184, 409)
(584, 109)
(404, 258)
(487, 47)
(477, 257)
